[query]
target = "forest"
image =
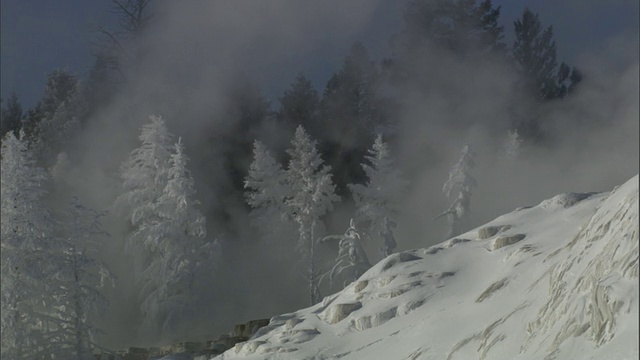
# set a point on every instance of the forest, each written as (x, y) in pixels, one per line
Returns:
(170, 193)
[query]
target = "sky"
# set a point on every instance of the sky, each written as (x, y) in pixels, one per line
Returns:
(38, 36)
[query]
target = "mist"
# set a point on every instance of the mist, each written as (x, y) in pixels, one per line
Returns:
(196, 52)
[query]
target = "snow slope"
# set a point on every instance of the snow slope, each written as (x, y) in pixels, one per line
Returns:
(554, 281)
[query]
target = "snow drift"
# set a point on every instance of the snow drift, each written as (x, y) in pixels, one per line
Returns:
(554, 281)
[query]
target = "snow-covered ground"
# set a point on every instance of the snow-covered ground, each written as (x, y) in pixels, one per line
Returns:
(555, 281)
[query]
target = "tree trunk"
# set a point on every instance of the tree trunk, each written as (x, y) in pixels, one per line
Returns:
(314, 293)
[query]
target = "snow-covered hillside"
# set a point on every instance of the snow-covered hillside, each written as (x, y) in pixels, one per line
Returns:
(554, 281)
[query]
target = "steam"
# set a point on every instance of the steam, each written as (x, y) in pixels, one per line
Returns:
(196, 51)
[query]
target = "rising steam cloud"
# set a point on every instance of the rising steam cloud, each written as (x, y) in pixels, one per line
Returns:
(194, 53)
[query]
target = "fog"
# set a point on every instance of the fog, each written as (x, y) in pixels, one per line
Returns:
(196, 51)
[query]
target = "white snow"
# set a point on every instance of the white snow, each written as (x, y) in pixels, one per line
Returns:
(567, 290)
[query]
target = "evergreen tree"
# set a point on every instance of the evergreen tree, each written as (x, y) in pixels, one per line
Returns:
(77, 286)
(463, 28)
(27, 245)
(388, 238)
(351, 110)
(11, 116)
(60, 87)
(378, 199)
(144, 173)
(246, 112)
(54, 133)
(266, 190)
(511, 145)
(534, 51)
(181, 257)
(102, 83)
(460, 182)
(299, 105)
(311, 196)
(50, 124)
(169, 234)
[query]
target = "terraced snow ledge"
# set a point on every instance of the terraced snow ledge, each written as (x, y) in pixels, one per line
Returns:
(554, 281)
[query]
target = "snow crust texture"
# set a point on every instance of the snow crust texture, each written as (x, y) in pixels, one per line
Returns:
(563, 284)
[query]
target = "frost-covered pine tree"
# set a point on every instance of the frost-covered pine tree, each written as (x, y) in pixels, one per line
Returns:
(181, 258)
(352, 260)
(144, 173)
(60, 113)
(266, 190)
(511, 145)
(459, 184)
(27, 243)
(379, 197)
(388, 238)
(77, 286)
(158, 206)
(311, 196)
(144, 176)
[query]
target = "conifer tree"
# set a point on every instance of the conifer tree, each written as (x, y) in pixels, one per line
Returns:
(534, 51)
(351, 111)
(78, 286)
(266, 190)
(388, 238)
(460, 26)
(246, 111)
(312, 194)
(511, 145)
(299, 105)
(62, 89)
(174, 235)
(27, 246)
(11, 116)
(144, 173)
(459, 184)
(379, 197)
(144, 176)
(466, 29)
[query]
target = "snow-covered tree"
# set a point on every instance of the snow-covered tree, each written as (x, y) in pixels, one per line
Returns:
(352, 260)
(266, 190)
(511, 145)
(459, 184)
(55, 131)
(174, 236)
(144, 175)
(27, 241)
(312, 194)
(388, 238)
(168, 232)
(379, 197)
(77, 286)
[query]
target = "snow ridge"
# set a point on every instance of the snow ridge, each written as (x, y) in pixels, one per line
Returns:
(554, 281)
(590, 286)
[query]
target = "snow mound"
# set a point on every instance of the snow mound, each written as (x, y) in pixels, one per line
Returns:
(564, 200)
(491, 231)
(337, 312)
(567, 290)
(507, 240)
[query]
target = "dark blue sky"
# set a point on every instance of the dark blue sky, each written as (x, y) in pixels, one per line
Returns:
(41, 35)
